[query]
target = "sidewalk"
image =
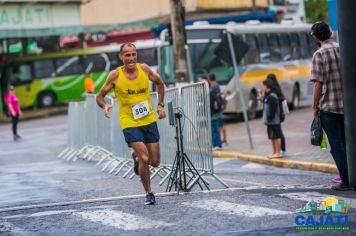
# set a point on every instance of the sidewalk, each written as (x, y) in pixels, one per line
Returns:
(37, 113)
(300, 153)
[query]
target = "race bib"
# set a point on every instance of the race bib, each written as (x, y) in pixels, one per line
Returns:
(140, 110)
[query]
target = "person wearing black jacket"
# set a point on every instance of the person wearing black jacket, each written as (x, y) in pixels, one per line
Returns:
(272, 117)
(281, 97)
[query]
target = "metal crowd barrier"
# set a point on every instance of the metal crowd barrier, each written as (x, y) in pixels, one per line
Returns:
(91, 136)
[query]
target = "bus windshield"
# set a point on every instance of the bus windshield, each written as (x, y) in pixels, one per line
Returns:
(204, 59)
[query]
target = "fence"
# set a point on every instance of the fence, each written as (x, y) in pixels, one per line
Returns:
(91, 136)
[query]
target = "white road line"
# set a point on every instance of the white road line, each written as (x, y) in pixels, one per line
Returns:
(84, 201)
(243, 181)
(253, 166)
(38, 214)
(107, 199)
(121, 220)
(308, 196)
(235, 209)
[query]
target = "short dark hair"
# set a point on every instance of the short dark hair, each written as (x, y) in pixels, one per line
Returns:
(268, 83)
(212, 77)
(321, 30)
(203, 77)
(126, 44)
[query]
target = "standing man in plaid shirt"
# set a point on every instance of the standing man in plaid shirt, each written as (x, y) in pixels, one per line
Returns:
(328, 101)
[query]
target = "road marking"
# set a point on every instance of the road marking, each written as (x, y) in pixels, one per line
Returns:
(39, 214)
(242, 181)
(121, 220)
(84, 201)
(308, 196)
(253, 166)
(107, 199)
(235, 209)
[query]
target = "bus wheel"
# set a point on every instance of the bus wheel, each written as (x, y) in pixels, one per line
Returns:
(46, 99)
(252, 106)
(295, 98)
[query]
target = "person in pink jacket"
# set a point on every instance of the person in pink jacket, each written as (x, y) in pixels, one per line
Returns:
(14, 110)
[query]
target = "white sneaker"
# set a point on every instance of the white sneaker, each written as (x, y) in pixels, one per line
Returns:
(216, 148)
(283, 153)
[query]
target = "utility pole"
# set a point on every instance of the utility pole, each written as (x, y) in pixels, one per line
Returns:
(347, 35)
(178, 35)
(254, 5)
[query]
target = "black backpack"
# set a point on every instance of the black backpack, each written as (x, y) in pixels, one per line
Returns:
(219, 102)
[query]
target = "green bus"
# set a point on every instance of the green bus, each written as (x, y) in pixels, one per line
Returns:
(49, 79)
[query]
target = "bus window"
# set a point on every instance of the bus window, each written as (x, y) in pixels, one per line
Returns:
(204, 60)
(286, 50)
(96, 63)
(265, 55)
(167, 65)
(147, 56)
(68, 66)
(304, 51)
(20, 74)
(274, 48)
(44, 69)
(295, 46)
(115, 62)
(311, 44)
(252, 55)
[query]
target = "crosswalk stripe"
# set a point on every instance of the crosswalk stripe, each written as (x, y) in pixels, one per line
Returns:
(235, 209)
(308, 196)
(121, 220)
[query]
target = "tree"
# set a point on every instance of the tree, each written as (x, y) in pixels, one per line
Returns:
(316, 10)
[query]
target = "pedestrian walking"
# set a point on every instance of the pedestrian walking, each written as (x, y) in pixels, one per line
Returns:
(271, 117)
(215, 111)
(328, 97)
(137, 118)
(273, 79)
(14, 110)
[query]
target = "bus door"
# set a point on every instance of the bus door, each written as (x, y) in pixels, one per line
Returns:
(20, 76)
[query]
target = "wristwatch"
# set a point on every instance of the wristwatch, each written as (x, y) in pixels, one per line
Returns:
(161, 104)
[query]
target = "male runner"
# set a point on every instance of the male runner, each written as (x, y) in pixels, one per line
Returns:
(137, 118)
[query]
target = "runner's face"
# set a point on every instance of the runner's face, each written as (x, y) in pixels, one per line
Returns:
(129, 57)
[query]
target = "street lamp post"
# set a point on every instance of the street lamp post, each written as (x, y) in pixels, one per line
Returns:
(347, 35)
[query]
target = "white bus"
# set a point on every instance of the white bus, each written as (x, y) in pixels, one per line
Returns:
(259, 49)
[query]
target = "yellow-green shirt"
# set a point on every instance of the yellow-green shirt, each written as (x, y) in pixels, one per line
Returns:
(130, 92)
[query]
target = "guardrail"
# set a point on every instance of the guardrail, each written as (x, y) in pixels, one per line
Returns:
(91, 136)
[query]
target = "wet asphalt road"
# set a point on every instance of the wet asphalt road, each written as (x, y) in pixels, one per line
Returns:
(261, 200)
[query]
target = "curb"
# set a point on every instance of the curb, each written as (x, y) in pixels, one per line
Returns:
(285, 163)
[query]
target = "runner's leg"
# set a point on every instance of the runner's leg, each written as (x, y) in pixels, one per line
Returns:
(143, 169)
(153, 154)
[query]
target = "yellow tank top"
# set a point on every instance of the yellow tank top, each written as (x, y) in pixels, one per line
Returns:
(132, 95)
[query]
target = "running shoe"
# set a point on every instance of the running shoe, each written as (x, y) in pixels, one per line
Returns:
(150, 199)
(337, 179)
(134, 157)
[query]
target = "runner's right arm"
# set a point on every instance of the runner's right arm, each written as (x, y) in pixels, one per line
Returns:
(109, 84)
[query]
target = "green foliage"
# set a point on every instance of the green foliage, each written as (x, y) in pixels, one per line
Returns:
(316, 10)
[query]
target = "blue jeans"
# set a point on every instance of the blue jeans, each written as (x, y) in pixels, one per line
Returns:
(333, 126)
(216, 133)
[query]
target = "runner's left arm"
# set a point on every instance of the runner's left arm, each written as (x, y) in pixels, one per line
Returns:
(155, 78)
